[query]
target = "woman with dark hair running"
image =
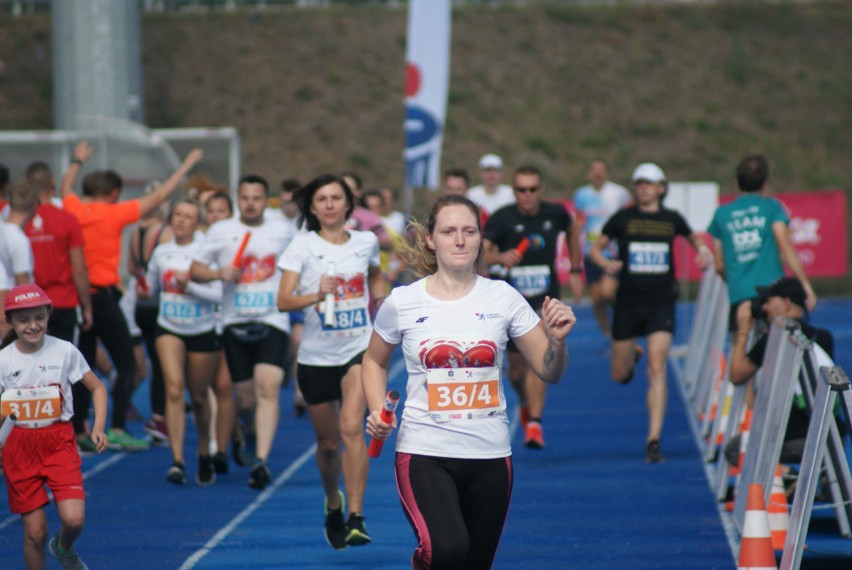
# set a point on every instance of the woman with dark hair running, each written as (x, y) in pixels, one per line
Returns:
(330, 272)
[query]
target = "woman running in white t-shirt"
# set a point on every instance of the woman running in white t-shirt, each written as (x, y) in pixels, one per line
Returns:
(453, 462)
(330, 262)
(186, 338)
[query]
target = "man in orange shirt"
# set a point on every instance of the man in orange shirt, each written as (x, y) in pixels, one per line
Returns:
(103, 218)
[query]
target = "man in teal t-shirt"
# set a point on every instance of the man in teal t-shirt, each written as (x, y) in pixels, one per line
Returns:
(751, 238)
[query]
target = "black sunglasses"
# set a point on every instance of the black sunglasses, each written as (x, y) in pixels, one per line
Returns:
(525, 189)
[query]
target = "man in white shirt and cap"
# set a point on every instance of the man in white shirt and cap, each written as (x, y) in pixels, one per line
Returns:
(491, 195)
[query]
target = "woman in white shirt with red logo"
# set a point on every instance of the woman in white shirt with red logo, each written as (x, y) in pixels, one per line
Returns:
(453, 462)
(186, 338)
(36, 374)
(334, 270)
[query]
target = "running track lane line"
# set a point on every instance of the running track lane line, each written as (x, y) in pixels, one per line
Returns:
(236, 521)
(90, 473)
(394, 374)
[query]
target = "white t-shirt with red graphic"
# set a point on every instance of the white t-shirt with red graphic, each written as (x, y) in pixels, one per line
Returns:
(309, 255)
(32, 384)
(184, 310)
(455, 405)
(255, 297)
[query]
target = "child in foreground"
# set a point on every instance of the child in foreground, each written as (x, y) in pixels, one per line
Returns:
(36, 375)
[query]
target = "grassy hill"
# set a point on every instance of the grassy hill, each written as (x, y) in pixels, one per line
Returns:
(691, 87)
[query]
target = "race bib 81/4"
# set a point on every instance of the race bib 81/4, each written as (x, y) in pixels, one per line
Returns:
(34, 407)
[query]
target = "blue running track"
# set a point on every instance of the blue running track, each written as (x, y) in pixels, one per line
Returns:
(586, 501)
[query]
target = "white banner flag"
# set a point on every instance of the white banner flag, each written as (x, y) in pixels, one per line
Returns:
(427, 77)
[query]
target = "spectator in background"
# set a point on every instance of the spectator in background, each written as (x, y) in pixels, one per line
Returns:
(783, 298)
(751, 238)
(647, 292)
(374, 200)
(151, 231)
(288, 212)
(4, 185)
(223, 423)
(595, 203)
(533, 274)
(256, 334)
(103, 219)
(186, 339)
(59, 265)
(491, 195)
(393, 219)
(363, 219)
(455, 181)
(15, 252)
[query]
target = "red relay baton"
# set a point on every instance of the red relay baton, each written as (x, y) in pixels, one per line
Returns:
(521, 248)
(391, 401)
(242, 249)
(143, 283)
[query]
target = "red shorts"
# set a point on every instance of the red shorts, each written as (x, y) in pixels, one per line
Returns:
(33, 458)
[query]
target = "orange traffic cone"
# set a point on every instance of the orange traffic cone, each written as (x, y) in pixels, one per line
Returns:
(756, 545)
(779, 515)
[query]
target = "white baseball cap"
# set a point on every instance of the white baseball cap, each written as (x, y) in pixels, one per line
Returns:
(649, 172)
(490, 161)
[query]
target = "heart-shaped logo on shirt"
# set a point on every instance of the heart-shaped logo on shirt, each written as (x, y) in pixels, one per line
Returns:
(444, 353)
(255, 270)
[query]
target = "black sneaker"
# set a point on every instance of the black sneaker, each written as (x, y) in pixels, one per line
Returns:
(335, 527)
(240, 453)
(653, 454)
(260, 475)
(206, 475)
(176, 473)
(220, 463)
(357, 535)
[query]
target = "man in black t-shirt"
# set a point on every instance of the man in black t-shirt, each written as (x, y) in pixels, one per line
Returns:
(522, 238)
(645, 302)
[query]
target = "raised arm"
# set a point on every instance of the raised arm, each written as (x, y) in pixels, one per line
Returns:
(544, 346)
(160, 194)
(82, 153)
